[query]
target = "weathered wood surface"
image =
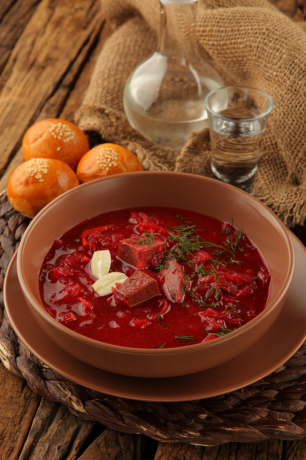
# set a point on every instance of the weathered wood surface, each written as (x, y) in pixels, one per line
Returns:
(48, 49)
(111, 445)
(12, 26)
(41, 59)
(58, 106)
(56, 432)
(18, 405)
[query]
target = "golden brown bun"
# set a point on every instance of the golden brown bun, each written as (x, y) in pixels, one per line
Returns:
(57, 139)
(106, 160)
(37, 182)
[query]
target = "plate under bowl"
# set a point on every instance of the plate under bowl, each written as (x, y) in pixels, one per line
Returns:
(177, 190)
(273, 349)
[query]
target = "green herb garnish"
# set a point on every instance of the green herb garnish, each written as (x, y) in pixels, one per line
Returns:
(162, 346)
(186, 241)
(222, 332)
(228, 229)
(184, 337)
(183, 220)
(148, 239)
(231, 309)
(198, 300)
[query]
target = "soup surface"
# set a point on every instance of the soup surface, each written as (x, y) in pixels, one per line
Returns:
(190, 278)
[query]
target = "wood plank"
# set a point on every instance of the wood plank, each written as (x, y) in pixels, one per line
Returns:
(12, 26)
(77, 95)
(270, 450)
(55, 433)
(17, 408)
(49, 45)
(111, 445)
(179, 451)
(53, 106)
(267, 450)
(295, 450)
(5, 5)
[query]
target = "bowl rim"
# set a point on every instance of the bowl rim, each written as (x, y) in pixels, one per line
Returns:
(156, 351)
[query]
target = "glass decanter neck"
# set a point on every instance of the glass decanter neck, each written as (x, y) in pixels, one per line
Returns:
(177, 26)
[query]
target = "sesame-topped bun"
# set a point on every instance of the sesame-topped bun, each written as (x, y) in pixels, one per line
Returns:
(106, 160)
(37, 182)
(57, 139)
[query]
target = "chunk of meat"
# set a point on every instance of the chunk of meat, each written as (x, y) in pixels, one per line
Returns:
(134, 252)
(136, 289)
(174, 282)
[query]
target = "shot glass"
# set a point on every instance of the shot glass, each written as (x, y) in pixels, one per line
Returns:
(237, 119)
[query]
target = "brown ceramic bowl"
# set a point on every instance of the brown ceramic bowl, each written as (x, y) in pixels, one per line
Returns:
(179, 190)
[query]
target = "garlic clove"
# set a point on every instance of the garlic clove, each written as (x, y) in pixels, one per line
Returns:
(100, 263)
(103, 286)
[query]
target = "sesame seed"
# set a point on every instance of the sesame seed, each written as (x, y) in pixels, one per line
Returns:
(61, 131)
(58, 148)
(107, 157)
(36, 166)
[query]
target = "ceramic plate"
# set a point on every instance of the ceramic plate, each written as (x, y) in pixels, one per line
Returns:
(274, 348)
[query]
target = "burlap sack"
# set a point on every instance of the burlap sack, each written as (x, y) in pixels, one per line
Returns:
(251, 44)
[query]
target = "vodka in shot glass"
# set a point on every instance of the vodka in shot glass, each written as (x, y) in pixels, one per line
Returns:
(237, 120)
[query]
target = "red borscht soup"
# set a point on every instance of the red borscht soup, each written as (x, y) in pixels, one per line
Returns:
(164, 278)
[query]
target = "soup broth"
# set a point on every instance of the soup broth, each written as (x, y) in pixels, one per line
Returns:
(183, 278)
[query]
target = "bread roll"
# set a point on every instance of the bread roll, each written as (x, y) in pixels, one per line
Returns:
(57, 139)
(36, 182)
(106, 160)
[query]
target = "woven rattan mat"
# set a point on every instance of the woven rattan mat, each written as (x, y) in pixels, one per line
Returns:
(273, 407)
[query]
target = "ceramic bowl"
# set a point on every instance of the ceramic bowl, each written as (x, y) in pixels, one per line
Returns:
(186, 191)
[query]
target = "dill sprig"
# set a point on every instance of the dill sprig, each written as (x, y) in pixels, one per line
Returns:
(231, 309)
(223, 332)
(148, 239)
(198, 300)
(183, 220)
(228, 229)
(161, 346)
(187, 240)
(213, 288)
(184, 337)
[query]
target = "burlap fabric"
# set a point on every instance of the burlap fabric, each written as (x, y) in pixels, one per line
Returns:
(251, 44)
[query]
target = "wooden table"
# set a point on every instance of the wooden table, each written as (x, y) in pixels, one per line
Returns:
(48, 50)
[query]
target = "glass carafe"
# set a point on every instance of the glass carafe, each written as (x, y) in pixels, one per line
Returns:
(164, 96)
